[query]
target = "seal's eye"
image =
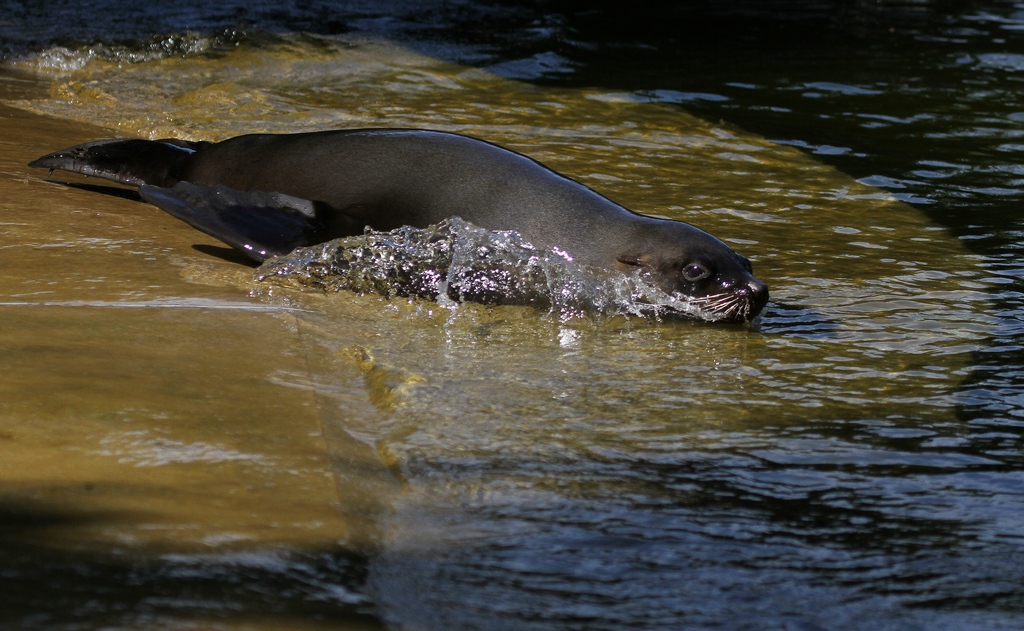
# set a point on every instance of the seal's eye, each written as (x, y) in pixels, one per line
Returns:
(694, 272)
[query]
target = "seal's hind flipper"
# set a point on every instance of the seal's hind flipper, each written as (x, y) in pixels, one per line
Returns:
(258, 224)
(128, 161)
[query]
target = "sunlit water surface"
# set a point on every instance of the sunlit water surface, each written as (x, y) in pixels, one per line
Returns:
(560, 470)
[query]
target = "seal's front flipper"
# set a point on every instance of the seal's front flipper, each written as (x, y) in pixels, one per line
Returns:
(258, 224)
(129, 161)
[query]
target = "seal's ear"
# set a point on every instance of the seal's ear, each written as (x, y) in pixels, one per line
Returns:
(636, 260)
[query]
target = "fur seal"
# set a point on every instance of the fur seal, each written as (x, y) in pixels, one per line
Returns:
(267, 194)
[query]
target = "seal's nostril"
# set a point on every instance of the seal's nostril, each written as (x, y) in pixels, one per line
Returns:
(758, 291)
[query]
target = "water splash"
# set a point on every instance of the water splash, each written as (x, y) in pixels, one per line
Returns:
(455, 261)
(65, 59)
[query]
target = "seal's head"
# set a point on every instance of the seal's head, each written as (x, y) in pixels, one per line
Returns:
(681, 259)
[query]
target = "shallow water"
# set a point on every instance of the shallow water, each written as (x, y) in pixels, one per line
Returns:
(242, 454)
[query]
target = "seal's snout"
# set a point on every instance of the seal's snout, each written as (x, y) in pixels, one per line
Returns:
(755, 289)
(737, 299)
(756, 294)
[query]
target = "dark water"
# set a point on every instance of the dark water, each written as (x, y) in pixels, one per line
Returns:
(846, 522)
(919, 98)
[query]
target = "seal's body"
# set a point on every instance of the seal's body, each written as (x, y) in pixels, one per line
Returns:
(267, 194)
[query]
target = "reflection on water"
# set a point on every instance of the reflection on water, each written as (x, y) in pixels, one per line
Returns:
(495, 466)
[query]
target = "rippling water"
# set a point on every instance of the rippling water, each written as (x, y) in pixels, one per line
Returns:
(854, 461)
